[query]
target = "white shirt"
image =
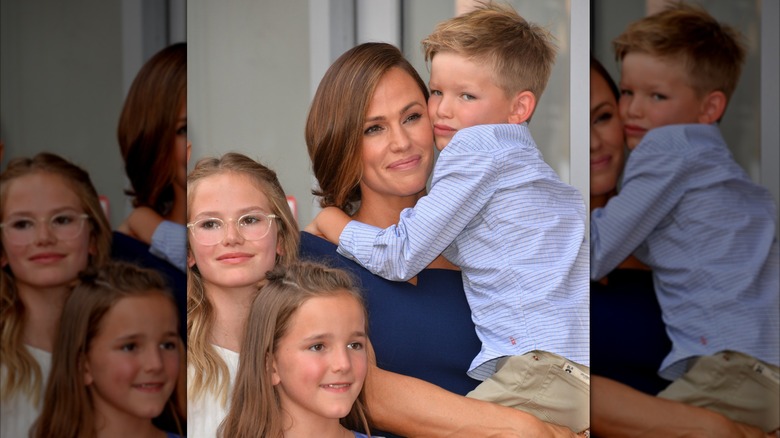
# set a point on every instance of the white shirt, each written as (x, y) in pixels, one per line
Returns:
(205, 414)
(19, 413)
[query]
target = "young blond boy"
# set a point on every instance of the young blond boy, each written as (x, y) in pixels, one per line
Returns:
(688, 211)
(499, 212)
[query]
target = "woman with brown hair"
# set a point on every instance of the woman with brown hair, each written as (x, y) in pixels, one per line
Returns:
(52, 227)
(152, 136)
(371, 146)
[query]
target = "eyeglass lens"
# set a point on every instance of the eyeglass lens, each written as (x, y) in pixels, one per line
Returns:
(23, 230)
(252, 226)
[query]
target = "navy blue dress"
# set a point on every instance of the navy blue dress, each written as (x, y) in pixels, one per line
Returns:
(628, 335)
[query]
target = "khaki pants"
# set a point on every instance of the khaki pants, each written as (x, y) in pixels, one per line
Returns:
(543, 384)
(736, 385)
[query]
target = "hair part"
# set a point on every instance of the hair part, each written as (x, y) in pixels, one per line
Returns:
(519, 53)
(210, 373)
(23, 374)
(96, 293)
(334, 126)
(147, 128)
(711, 52)
(255, 409)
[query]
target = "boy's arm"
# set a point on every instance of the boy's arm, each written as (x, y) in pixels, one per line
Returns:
(329, 223)
(654, 182)
(167, 240)
(461, 186)
(143, 221)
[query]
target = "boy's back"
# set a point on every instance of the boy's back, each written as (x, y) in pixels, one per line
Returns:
(707, 232)
(517, 233)
(689, 212)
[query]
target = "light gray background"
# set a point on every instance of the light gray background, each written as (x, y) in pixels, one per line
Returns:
(254, 67)
(65, 67)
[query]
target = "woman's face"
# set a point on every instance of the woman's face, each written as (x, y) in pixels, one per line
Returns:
(235, 261)
(606, 138)
(397, 139)
(35, 204)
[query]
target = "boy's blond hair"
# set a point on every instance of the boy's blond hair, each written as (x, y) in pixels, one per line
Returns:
(520, 53)
(712, 52)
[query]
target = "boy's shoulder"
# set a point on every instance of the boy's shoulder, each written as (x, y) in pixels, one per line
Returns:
(686, 139)
(491, 137)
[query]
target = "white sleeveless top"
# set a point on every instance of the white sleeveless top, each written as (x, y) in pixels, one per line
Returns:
(19, 413)
(205, 414)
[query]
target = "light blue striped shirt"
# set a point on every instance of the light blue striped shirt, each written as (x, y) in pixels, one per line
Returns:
(689, 211)
(498, 211)
(169, 242)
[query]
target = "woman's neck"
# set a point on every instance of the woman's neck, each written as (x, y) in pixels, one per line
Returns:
(231, 310)
(43, 308)
(178, 212)
(383, 211)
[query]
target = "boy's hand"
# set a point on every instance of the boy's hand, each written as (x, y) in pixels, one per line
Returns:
(143, 221)
(329, 223)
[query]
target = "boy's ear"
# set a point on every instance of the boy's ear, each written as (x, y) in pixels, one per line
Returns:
(713, 105)
(523, 106)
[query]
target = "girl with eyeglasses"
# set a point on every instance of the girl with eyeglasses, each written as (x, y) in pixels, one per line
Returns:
(239, 228)
(51, 228)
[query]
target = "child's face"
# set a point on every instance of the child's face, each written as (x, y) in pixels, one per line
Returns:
(320, 364)
(33, 203)
(655, 92)
(396, 147)
(132, 363)
(235, 261)
(463, 94)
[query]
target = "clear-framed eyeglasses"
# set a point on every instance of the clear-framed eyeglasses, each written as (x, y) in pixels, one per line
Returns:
(23, 230)
(251, 226)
